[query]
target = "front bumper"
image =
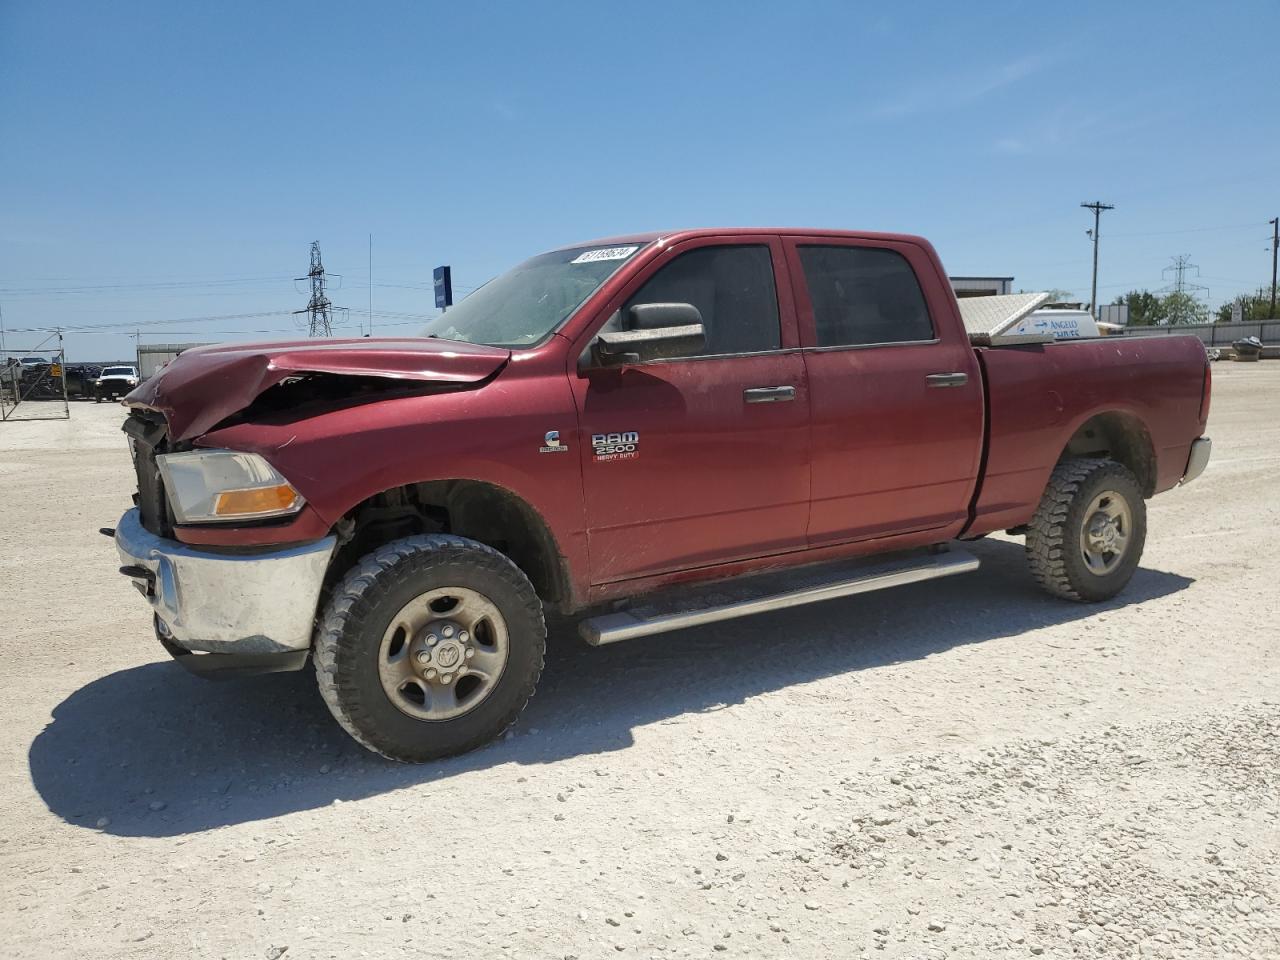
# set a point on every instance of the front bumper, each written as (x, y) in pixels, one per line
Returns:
(1199, 459)
(244, 603)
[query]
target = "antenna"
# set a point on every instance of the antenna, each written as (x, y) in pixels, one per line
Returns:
(319, 308)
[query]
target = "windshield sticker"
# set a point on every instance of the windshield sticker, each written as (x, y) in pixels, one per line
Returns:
(604, 253)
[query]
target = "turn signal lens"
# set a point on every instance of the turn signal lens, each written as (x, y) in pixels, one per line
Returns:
(256, 500)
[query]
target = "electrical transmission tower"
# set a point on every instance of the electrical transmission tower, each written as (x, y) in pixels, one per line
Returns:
(1180, 267)
(1185, 290)
(319, 309)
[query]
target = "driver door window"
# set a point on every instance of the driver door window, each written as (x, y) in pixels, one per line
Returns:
(733, 289)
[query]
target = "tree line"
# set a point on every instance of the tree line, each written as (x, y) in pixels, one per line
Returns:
(1147, 309)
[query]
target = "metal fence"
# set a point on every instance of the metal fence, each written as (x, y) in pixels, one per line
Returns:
(34, 388)
(1215, 334)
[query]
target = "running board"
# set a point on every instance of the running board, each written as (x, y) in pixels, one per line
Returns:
(762, 593)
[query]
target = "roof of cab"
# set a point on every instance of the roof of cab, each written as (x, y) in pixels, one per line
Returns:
(688, 233)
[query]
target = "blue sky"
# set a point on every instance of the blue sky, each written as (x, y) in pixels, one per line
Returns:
(161, 162)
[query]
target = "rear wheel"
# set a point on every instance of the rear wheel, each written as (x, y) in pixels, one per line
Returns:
(430, 646)
(1087, 535)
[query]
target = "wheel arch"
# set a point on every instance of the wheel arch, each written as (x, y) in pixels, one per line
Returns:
(476, 509)
(1120, 436)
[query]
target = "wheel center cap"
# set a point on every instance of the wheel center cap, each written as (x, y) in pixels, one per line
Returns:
(448, 654)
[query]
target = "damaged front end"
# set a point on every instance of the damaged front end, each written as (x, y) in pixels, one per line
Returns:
(207, 385)
(228, 553)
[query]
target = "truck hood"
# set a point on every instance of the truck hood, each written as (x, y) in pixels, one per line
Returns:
(205, 385)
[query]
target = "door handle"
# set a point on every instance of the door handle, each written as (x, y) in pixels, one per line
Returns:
(947, 379)
(769, 394)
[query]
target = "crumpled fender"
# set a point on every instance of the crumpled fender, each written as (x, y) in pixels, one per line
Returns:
(205, 385)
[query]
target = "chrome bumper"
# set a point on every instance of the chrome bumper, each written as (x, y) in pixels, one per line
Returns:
(1199, 459)
(223, 602)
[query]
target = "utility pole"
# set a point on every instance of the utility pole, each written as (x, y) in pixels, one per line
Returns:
(1275, 245)
(370, 285)
(318, 308)
(1097, 207)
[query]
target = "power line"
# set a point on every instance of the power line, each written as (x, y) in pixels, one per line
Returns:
(123, 326)
(155, 285)
(1170, 233)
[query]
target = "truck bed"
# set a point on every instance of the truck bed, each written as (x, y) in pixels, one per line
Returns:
(1037, 393)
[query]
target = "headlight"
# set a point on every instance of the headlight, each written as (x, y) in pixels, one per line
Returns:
(206, 486)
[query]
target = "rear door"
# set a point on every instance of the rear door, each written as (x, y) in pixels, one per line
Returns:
(700, 460)
(895, 392)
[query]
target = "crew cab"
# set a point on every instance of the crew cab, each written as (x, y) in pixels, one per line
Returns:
(645, 433)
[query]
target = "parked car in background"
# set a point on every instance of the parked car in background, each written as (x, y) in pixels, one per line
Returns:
(115, 382)
(82, 379)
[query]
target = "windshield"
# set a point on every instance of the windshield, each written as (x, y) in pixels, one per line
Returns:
(118, 372)
(527, 303)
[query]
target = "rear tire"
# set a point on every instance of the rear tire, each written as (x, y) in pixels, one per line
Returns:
(1087, 535)
(429, 647)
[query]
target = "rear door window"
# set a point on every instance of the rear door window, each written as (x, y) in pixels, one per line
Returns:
(863, 295)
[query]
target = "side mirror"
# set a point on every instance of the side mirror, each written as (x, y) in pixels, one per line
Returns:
(659, 331)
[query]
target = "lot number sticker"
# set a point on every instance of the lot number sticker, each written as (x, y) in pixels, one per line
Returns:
(604, 253)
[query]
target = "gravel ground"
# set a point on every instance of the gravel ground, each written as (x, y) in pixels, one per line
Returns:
(966, 768)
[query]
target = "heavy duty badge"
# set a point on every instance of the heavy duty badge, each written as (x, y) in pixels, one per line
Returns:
(615, 446)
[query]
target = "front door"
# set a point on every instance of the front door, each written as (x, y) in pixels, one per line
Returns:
(700, 460)
(895, 398)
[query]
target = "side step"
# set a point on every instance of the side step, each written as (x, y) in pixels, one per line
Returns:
(761, 593)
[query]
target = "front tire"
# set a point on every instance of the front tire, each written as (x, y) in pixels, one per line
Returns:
(429, 647)
(1087, 535)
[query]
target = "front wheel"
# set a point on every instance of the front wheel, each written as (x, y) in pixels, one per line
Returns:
(1087, 535)
(430, 646)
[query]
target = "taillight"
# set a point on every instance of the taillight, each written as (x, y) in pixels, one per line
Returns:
(1205, 391)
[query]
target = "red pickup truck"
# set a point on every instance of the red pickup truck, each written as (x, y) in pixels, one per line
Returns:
(646, 433)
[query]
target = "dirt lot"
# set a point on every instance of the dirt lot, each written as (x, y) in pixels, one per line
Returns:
(959, 769)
